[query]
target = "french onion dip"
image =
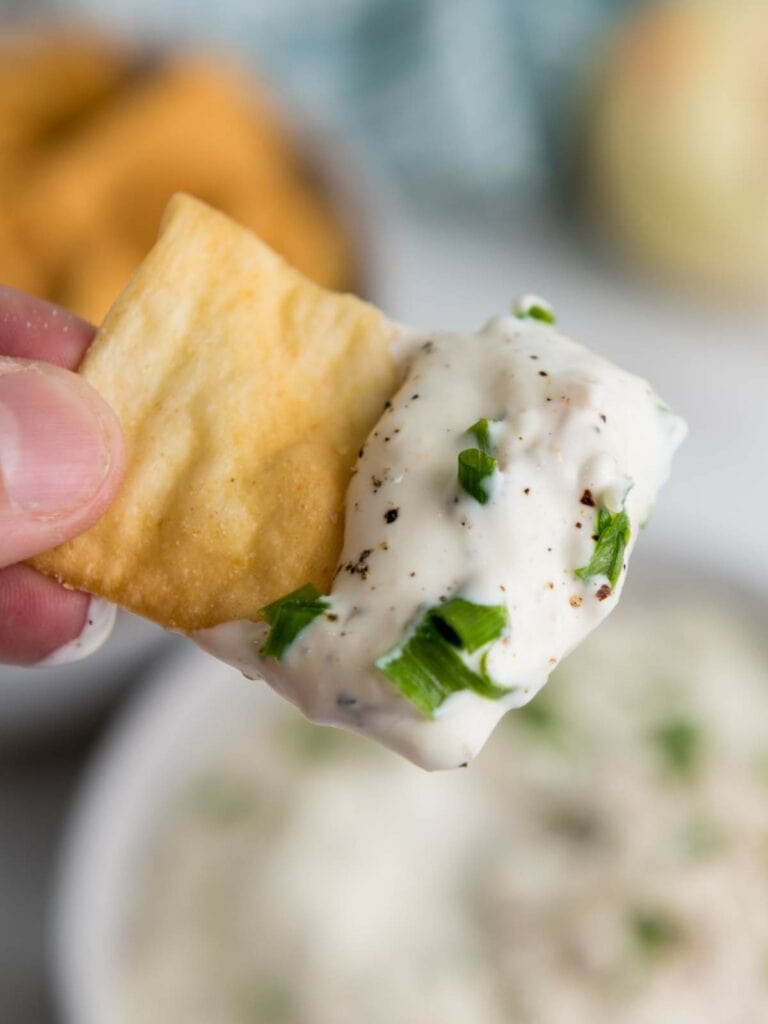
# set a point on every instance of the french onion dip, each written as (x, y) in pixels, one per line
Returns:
(489, 521)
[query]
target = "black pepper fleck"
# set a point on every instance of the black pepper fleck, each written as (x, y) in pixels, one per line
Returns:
(414, 397)
(578, 526)
(332, 617)
(543, 373)
(391, 515)
(603, 417)
(360, 567)
(603, 592)
(587, 499)
(526, 490)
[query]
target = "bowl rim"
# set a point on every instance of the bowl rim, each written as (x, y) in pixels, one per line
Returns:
(186, 693)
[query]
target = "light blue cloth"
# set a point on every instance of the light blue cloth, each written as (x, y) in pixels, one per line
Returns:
(467, 98)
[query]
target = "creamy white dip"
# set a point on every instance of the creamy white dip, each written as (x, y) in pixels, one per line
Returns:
(604, 862)
(571, 434)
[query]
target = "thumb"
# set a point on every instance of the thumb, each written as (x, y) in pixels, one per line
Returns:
(61, 457)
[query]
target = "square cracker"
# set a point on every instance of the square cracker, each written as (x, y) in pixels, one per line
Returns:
(244, 392)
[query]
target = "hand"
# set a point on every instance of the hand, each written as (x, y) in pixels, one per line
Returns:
(61, 459)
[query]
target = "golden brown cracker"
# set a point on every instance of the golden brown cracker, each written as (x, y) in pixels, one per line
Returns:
(244, 392)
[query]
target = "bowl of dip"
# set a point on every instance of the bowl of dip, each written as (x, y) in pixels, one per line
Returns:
(602, 860)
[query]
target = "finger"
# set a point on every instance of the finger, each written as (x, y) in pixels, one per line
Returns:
(61, 457)
(34, 329)
(99, 622)
(37, 616)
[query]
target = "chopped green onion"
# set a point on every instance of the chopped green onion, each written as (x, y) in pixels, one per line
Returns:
(531, 307)
(481, 431)
(655, 930)
(475, 467)
(289, 616)
(612, 538)
(471, 625)
(680, 744)
(427, 668)
(489, 687)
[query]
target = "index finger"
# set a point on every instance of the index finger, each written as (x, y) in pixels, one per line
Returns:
(32, 328)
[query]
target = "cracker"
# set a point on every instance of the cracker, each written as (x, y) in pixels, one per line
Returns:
(244, 392)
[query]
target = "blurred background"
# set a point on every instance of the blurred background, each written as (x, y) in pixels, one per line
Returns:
(439, 157)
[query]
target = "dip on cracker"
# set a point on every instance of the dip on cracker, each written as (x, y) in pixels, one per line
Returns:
(402, 532)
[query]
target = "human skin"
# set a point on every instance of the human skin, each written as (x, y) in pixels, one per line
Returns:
(61, 461)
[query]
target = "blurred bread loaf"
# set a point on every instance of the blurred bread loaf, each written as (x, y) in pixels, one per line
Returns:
(678, 147)
(95, 139)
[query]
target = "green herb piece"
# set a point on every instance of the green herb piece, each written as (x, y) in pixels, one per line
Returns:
(481, 431)
(612, 538)
(485, 686)
(475, 467)
(531, 307)
(655, 931)
(679, 742)
(467, 625)
(428, 667)
(289, 616)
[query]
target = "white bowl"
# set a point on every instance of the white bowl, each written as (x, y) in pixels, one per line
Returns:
(150, 754)
(142, 762)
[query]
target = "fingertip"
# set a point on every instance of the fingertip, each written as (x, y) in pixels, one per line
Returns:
(99, 622)
(61, 457)
(31, 328)
(37, 616)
